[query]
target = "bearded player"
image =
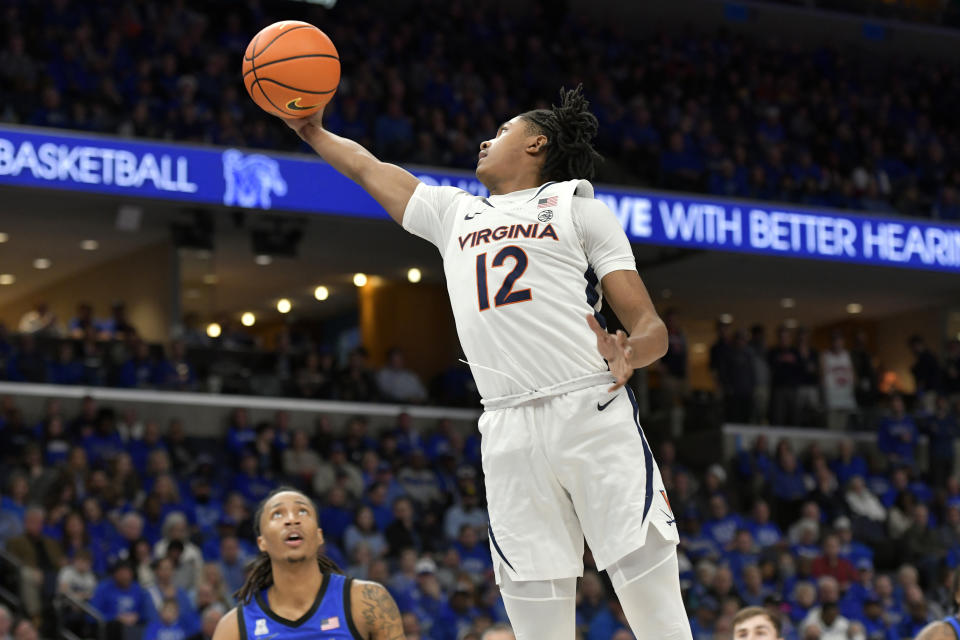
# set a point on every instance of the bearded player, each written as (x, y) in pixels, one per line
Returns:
(563, 453)
(293, 592)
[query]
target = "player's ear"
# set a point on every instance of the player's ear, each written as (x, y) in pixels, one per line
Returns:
(320, 535)
(536, 144)
(261, 544)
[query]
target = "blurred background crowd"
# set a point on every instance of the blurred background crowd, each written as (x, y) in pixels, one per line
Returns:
(713, 112)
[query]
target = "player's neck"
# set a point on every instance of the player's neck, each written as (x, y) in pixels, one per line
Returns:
(296, 584)
(514, 183)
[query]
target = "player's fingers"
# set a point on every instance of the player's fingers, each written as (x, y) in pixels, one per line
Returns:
(597, 329)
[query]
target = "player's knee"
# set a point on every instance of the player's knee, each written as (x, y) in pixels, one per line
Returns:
(561, 589)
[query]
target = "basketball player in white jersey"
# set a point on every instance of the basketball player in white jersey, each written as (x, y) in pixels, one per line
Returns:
(563, 453)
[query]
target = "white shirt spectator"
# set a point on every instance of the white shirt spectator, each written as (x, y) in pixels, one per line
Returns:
(75, 583)
(863, 503)
(835, 631)
(398, 383)
(838, 379)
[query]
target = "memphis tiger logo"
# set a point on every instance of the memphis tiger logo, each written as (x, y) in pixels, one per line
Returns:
(251, 179)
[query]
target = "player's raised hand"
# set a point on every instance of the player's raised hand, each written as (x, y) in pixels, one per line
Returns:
(298, 124)
(615, 349)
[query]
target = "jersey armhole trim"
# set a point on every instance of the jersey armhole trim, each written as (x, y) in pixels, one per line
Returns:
(348, 609)
(240, 623)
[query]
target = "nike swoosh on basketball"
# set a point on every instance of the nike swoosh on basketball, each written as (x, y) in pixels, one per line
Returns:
(295, 105)
(601, 407)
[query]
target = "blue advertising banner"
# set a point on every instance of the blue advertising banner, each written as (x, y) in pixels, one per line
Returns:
(240, 178)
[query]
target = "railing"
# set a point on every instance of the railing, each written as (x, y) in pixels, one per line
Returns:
(206, 413)
(63, 602)
(10, 579)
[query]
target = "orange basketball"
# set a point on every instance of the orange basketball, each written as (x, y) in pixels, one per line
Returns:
(291, 69)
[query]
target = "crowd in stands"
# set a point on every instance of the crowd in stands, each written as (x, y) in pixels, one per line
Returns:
(109, 352)
(426, 82)
(789, 382)
(152, 527)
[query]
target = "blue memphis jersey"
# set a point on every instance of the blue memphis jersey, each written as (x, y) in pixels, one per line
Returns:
(954, 624)
(329, 617)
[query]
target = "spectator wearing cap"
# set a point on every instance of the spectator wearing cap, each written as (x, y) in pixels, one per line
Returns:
(41, 558)
(337, 470)
(122, 602)
(397, 383)
(466, 511)
(897, 435)
(428, 602)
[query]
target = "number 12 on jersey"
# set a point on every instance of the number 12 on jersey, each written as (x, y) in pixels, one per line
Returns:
(505, 295)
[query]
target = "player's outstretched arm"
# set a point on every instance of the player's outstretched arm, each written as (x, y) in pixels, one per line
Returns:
(389, 184)
(227, 628)
(937, 631)
(374, 612)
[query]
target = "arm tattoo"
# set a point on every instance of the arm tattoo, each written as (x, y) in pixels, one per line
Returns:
(380, 613)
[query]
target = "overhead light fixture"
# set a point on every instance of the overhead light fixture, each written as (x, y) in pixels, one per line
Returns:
(854, 308)
(248, 319)
(414, 275)
(360, 279)
(263, 259)
(788, 303)
(89, 245)
(3, 237)
(213, 330)
(726, 318)
(210, 278)
(41, 263)
(7, 278)
(321, 293)
(284, 305)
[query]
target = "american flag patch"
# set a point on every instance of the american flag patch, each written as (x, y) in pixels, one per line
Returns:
(543, 203)
(328, 624)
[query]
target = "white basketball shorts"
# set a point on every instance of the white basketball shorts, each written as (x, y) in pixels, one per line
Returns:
(562, 468)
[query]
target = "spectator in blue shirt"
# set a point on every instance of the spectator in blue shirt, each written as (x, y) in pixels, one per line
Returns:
(474, 554)
(765, 533)
(249, 482)
(233, 562)
(169, 625)
(788, 484)
(121, 600)
(722, 525)
(66, 369)
(897, 435)
(943, 430)
(139, 371)
(240, 434)
(848, 462)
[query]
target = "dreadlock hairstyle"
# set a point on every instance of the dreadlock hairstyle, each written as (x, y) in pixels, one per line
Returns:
(260, 574)
(569, 128)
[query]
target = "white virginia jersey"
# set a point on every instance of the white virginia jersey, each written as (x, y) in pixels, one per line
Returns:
(523, 272)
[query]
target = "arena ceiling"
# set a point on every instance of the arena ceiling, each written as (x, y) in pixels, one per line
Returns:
(702, 285)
